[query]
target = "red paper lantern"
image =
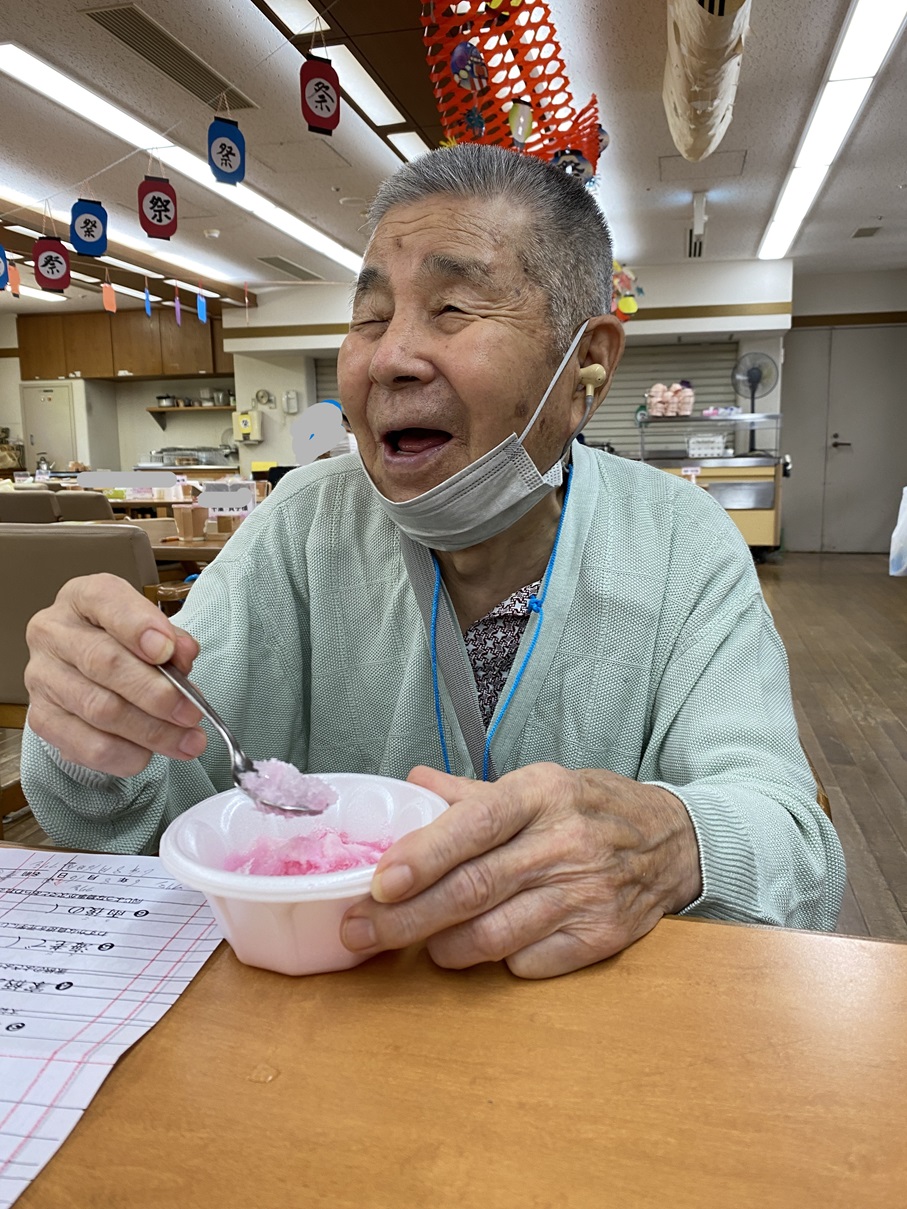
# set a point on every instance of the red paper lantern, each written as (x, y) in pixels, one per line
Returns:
(51, 265)
(320, 93)
(157, 207)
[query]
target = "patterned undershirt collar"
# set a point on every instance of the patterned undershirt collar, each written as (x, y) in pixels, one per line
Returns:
(492, 642)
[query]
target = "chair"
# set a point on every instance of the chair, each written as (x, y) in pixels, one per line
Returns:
(84, 506)
(28, 507)
(38, 560)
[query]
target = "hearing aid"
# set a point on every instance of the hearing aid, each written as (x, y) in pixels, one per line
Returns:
(592, 377)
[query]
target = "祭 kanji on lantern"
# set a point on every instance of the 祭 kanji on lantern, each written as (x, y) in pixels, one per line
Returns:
(157, 207)
(88, 228)
(51, 264)
(520, 122)
(226, 151)
(320, 93)
(4, 269)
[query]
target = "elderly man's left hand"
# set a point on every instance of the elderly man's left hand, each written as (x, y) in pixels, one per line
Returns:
(547, 869)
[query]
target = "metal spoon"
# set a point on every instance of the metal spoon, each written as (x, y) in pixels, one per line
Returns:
(239, 761)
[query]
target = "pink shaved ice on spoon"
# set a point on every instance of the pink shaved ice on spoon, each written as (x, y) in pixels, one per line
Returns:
(275, 783)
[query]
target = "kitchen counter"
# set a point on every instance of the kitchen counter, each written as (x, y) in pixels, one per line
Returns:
(196, 470)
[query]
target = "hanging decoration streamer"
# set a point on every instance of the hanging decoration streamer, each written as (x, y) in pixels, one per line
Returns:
(177, 309)
(4, 269)
(226, 151)
(515, 57)
(320, 92)
(201, 307)
(88, 228)
(157, 207)
(109, 297)
(147, 299)
(14, 281)
(51, 264)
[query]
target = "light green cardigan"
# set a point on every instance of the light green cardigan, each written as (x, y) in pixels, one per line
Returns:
(657, 659)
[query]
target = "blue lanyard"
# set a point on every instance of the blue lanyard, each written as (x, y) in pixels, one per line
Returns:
(536, 605)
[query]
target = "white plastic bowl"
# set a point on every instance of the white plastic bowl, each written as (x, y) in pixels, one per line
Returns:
(289, 924)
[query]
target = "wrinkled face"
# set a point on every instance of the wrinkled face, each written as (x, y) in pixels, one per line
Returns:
(449, 350)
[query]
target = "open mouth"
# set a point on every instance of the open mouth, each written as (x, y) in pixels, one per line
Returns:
(409, 442)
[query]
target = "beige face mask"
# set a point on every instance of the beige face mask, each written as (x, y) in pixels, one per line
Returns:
(487, 496)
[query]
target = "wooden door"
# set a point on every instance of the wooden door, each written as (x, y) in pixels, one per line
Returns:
(223, 361)
(88, 345)
(186, 348)
(136, 341)
(42, 353)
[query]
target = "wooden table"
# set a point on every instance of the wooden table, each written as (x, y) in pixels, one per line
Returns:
(190, 553)
(710, 1066)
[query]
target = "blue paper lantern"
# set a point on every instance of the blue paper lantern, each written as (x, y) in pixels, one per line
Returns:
(4, 269)
(88, 228)
(226, 151)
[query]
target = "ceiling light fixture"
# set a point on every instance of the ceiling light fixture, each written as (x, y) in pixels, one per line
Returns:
(131, 268)
(127, 289)
(24, 231)
(872, 29)
(297, 15)
(83, 277)
(362, 88)
(34, 73)
(193, 289)
(409, 144)
(43, 295)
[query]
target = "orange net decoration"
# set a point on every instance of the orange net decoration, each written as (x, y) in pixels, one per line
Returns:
(516, 57)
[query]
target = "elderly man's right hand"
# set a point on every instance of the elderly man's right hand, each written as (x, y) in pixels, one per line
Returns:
(94, 692)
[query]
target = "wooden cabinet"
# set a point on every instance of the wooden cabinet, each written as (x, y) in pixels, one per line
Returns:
(136, 340)
(94, 344)
(223, 361)
(42, 353)
(186, 347)
(88, 346)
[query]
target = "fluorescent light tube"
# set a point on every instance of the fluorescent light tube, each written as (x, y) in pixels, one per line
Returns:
(297, 15)
(13, 255)
(409, 144)
(24, 231)
(34, 73)
(834, 116)
(193, 289)
(798, 195)
(132, 268)
(82, 276)
(42, 294)
(362, 88)
(872, 31)
(127, 289)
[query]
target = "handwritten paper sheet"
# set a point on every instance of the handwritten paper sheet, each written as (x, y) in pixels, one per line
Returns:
(93, 951)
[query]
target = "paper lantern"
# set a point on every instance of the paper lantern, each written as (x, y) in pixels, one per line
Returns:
(320, 91)
(88, 228)
(519, 119)
(574, 163)
(51, 265)
(157, 207)
(226, 151)
(516, 44)
(4, 269)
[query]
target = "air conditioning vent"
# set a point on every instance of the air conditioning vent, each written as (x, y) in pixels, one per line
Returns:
(153, 44)
(282, 265)
(695, 245)
(865, 232)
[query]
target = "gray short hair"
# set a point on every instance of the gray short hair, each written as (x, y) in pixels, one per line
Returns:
(566, 251)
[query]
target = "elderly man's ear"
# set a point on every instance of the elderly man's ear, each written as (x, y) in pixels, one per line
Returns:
(602, 344)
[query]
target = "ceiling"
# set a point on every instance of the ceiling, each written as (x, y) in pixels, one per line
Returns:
(611, 47)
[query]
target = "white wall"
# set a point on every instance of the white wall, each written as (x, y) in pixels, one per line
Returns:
(850, 293)
(277, 373)
(309, 303)
(10, 413)
(140, 433)
(706, 284)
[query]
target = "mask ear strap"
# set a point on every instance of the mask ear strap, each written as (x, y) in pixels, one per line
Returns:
(554, 381)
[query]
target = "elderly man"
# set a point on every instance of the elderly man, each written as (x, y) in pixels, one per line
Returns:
(578, 641)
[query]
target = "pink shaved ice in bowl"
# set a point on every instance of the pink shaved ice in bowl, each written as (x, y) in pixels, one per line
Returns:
(279, 884)
(274, 783)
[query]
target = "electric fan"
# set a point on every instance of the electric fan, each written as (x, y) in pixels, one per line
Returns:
(754, 376)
